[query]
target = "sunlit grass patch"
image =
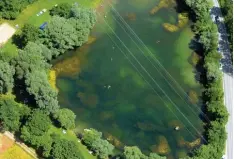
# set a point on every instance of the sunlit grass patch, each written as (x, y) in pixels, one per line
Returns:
(15, 152)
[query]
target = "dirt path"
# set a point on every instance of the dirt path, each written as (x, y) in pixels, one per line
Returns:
(21, 144)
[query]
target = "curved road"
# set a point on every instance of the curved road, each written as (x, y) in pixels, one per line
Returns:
(227, 69)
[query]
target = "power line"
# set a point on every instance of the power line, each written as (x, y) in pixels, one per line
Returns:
(157, 61)
(151, 77)
(148, 83)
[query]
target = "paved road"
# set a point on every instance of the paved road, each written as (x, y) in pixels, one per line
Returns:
(227, 69)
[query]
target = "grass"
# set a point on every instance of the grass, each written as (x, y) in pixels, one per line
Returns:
(70, 135)
(15, 152)
(28, 15)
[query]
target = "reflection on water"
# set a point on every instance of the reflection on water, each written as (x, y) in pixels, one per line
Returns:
(115, 84)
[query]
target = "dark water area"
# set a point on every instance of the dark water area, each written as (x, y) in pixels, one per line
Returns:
(126, 89)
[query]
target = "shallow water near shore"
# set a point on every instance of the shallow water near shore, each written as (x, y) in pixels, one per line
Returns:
(116, 85)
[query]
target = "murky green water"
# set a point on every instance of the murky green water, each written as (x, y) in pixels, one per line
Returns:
(115, 84)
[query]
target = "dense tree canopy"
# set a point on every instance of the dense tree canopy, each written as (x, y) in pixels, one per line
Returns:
(64, 33)
(29, 59)
(66, 118)
(102, 148)
(10, 114)
(9, 9)
(35, 131)
(133, 153)
(6, 77)
(38, 86)
(62, 10)
(227, 9)
(65, 149)
(199, 7)
(90, 135)
(29, 33)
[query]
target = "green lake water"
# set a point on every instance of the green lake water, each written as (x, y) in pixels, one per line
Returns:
(116, 85)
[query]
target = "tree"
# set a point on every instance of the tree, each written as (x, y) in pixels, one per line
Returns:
(62, 34)
(90, 135)
(65, 149)
(9, 9)
(37, 124)
(66, 118)
(10, 114)
(6, 77)
(35, 131)
(88, 15)
(38, 86)
(133, 153)
(59, 35)
(62, 10)
(200, 7)
(29, 33)
(28, 60)
(102, 148)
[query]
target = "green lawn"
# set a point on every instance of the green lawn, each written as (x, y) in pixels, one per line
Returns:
(70, 135)
(28, 15)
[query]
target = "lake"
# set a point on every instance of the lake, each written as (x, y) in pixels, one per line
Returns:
(134, 80)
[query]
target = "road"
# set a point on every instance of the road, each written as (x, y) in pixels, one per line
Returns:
(227, 69)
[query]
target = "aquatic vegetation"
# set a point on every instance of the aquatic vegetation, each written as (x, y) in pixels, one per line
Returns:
(91, 40)
(182, 21)
(125, 107)
(160, 5)
(128, 72)
(116, 129)
(174, 123)
(193, 98)
(68, 67)
(52, 79)
(89, 99)
(140, 4)
(194, 59)
(63, 85)
(106, 115)
(190, 145)
(170, 27)
(146, 126)
(151, 100)
(162, 146)
(181, 153)
(194, 143)
(115, 141)
(131, 16)
(72, 66)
